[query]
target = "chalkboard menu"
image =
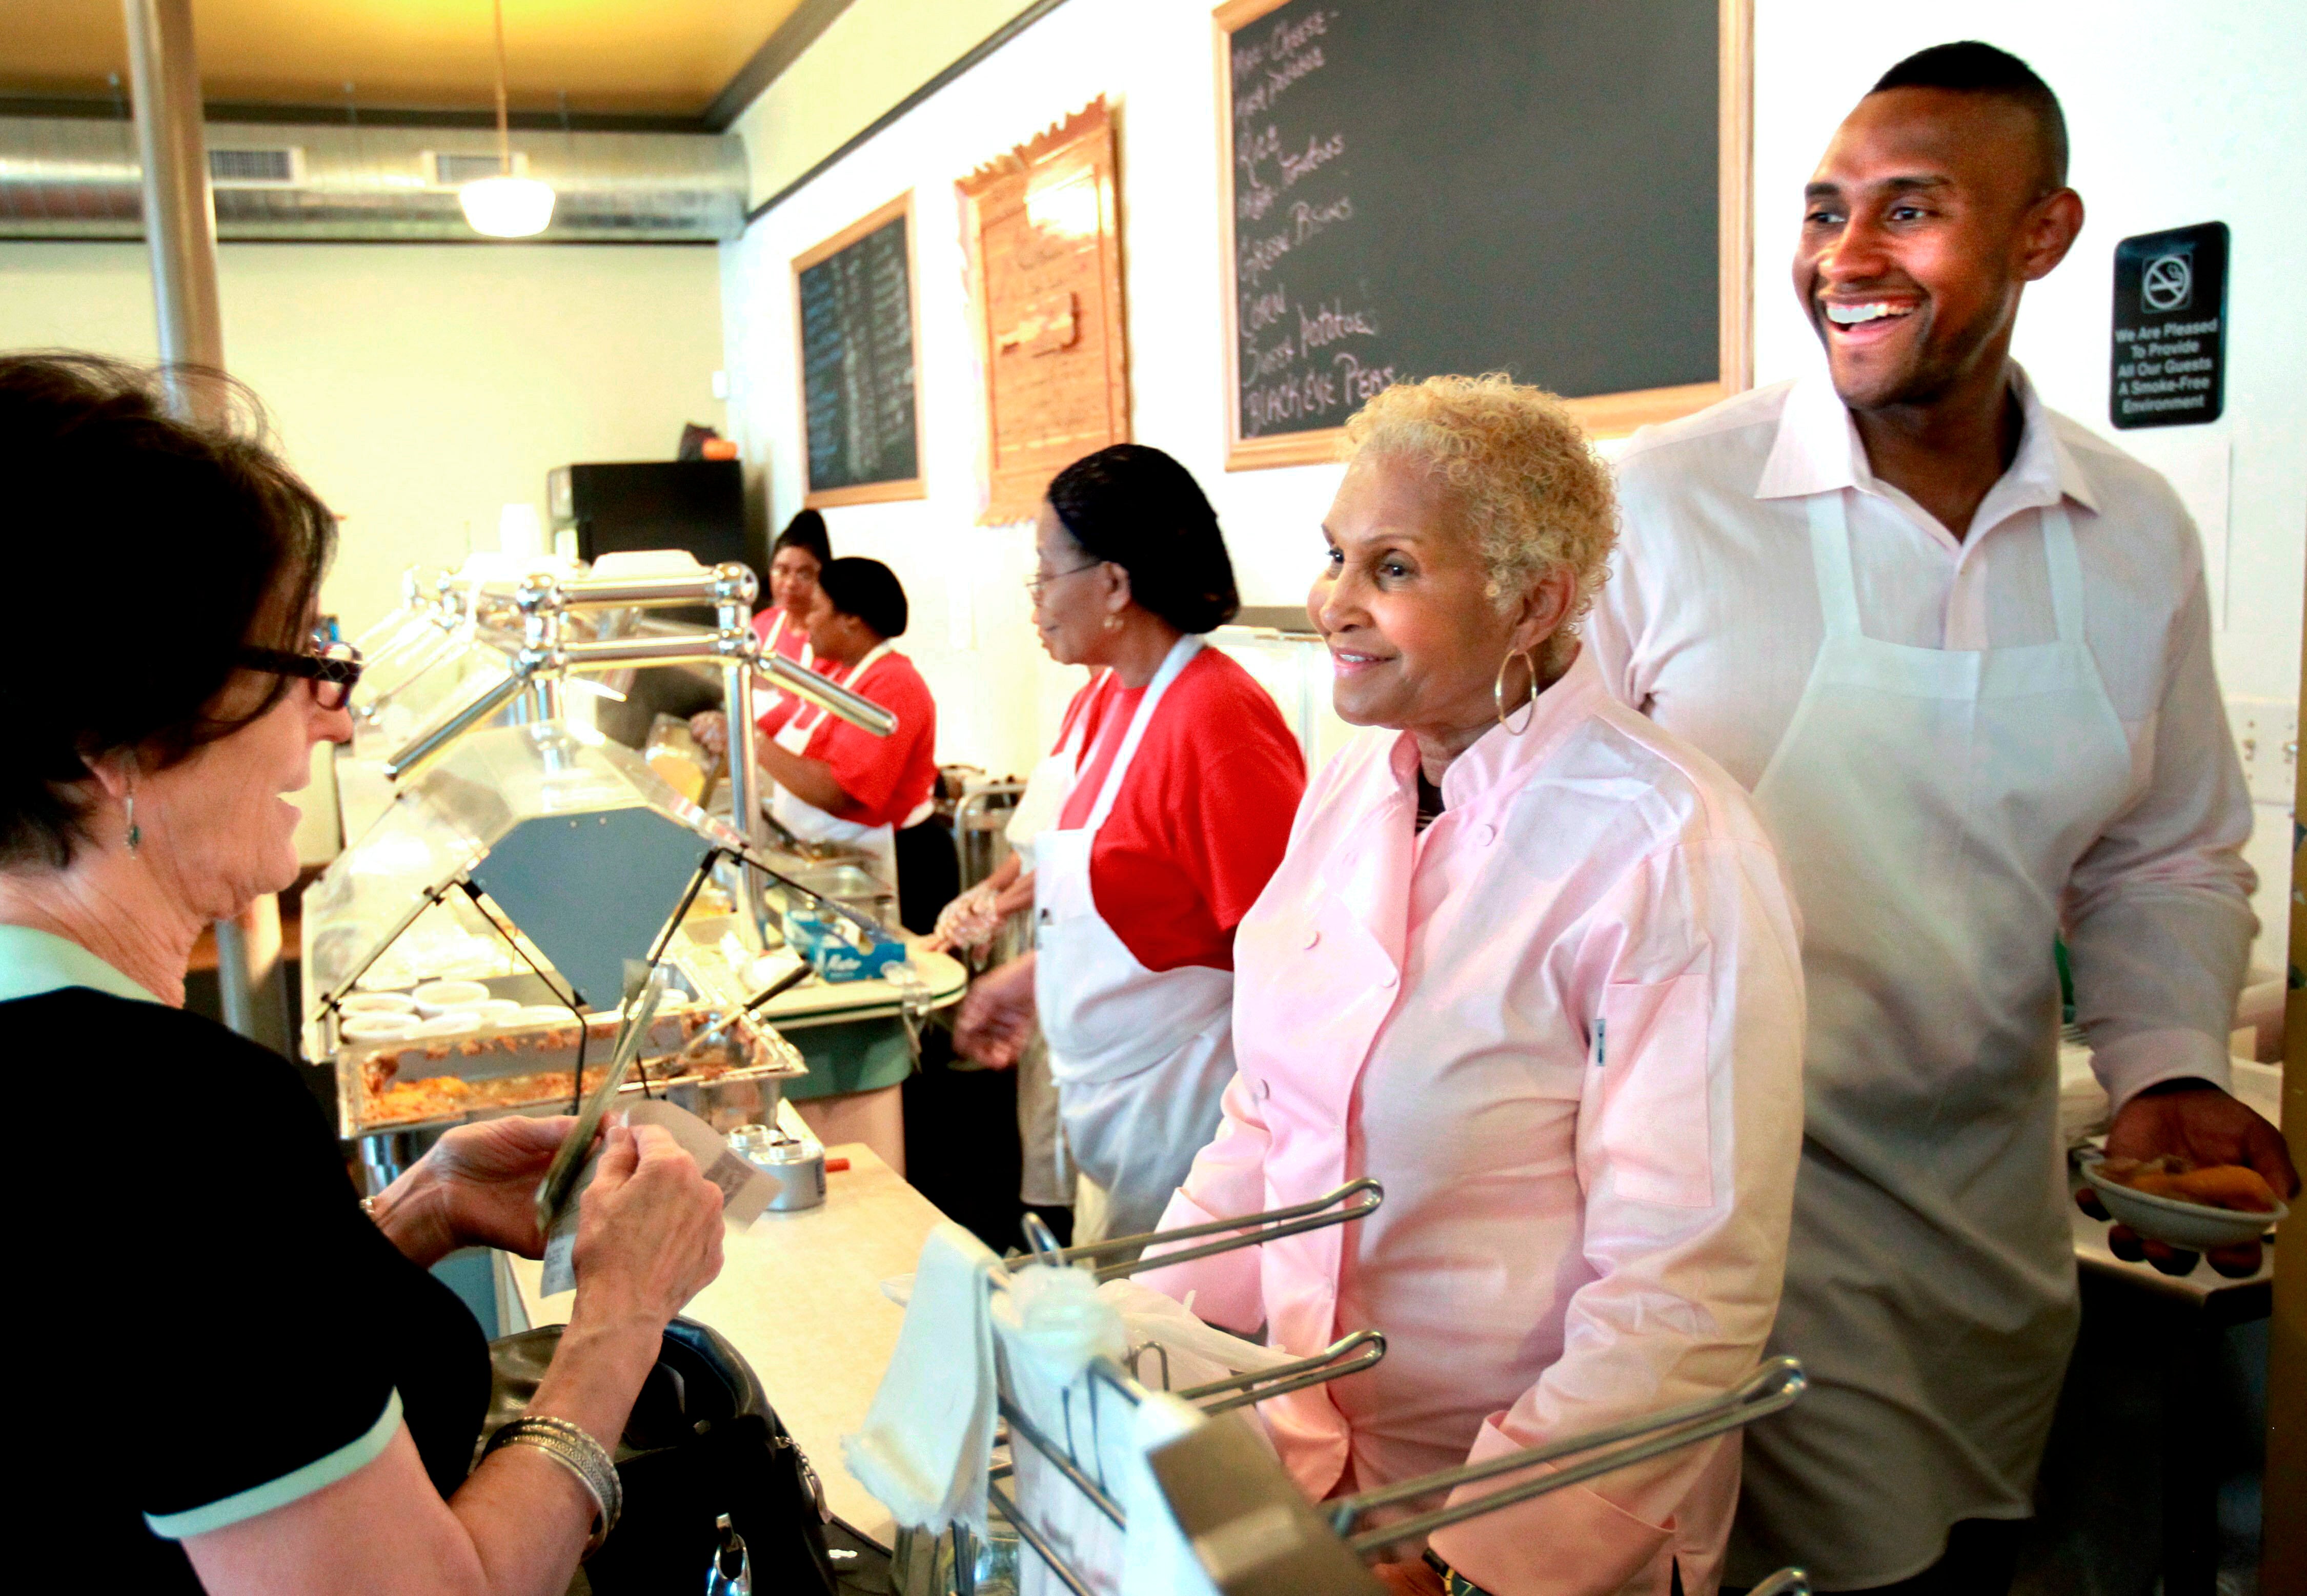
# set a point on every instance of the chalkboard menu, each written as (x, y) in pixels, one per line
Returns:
(855, 298)
(1532, 186)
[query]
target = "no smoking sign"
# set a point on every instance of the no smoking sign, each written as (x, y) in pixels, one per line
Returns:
(2170, 355)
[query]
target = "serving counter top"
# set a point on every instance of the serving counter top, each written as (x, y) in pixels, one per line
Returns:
(800, 1295)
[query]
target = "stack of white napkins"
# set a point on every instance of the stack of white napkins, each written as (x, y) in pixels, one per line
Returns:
(1049, 1325)
(930, 1434)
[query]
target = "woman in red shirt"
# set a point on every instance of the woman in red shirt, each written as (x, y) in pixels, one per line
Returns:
(1173, 785)
(835, 783)
(802, 550)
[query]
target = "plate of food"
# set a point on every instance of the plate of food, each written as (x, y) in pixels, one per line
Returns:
(2173, 1199)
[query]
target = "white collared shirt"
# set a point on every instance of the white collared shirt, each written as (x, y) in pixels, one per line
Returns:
(1710, 623)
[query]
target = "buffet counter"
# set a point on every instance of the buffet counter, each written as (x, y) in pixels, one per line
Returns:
(800, 1295)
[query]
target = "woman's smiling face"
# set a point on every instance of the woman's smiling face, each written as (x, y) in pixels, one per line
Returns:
(1402, 601)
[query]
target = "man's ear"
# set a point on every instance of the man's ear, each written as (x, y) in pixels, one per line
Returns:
(2052, 225)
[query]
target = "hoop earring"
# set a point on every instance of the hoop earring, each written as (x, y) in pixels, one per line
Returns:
(1499, 692)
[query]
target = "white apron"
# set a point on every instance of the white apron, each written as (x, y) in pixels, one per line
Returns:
(1047, 1180)
(1930, 806)
(1044, 799)
(813, 825)
(768, 646)
(1140, 1058)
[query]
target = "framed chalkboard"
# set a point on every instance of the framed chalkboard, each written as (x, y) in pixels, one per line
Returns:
(859, 375)
(1555, 189)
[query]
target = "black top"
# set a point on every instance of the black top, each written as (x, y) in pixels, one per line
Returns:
(1429, 800)
(208, 1307)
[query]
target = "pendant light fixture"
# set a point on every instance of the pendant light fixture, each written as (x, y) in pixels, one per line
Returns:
(506, 206)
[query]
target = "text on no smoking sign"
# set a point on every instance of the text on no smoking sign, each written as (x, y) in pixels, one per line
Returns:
(2170, 353)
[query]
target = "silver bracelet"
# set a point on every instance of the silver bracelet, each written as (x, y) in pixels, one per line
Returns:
(573, 1447)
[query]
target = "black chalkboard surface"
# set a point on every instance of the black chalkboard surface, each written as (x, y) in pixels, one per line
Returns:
(1468, 185)
(855, 301)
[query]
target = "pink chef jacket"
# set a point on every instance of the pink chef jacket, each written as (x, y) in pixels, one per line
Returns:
(1563, 1028)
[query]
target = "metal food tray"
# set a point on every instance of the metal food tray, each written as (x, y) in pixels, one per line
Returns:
(528, 1065)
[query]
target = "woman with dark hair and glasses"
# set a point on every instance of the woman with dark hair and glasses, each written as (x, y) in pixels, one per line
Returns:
(803, 550)
(304, 1397)
(1163, 810)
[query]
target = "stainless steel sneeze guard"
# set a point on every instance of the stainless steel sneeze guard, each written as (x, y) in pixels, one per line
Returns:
(533, 623)
(536, 857)
(1250, 1532)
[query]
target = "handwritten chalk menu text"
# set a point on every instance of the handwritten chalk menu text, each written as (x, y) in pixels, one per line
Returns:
(855, 294)
(1468, 185)
(2170, 328)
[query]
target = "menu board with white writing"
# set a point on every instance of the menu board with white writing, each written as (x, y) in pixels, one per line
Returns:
(855, 301)
(1526, 186)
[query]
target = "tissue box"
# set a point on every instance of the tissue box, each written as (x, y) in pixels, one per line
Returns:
(833, 952)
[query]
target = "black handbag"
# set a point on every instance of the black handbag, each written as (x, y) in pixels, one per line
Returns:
(702, 1444)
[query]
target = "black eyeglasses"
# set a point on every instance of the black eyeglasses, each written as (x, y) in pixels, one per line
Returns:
(331, 668)
(1037, 585)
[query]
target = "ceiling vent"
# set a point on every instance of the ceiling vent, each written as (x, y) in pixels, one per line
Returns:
(76, 177)
(281, 166)
(444, 169)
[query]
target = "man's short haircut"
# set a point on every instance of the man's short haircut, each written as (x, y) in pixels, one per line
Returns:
(1972, 67)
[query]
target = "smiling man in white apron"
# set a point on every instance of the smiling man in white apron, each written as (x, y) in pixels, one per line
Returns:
(1960, 648)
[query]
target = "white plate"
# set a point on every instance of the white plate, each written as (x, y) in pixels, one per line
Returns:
(377, 1028)
(2181, 1223)
(379, 1002)
(438, 997)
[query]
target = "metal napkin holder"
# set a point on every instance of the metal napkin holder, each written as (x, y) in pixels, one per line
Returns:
(1272, 1543)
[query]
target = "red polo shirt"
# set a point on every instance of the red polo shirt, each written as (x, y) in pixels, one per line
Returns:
(886, 778)
(1203, 816)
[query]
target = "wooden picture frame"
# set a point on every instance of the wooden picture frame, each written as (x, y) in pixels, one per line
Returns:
(1052, 331)
(915, 486)
(1603, 415)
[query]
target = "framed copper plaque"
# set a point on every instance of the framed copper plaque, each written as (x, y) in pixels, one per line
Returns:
(1044, 247)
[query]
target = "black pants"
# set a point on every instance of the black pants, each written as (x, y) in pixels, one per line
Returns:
(929, 873)
(1982, 1555)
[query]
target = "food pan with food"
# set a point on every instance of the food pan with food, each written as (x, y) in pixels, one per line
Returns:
(2171, 1199)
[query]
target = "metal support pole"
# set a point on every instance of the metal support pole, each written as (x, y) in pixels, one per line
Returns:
(180, 230)
(736, 621)
(179, 212)
(544, 628)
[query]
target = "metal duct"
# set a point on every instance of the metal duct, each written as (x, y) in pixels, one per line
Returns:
(79, 177)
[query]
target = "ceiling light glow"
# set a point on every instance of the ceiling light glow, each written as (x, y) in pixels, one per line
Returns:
(507, 207)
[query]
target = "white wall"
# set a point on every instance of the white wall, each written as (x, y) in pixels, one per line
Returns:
(419, 387)
(2179, 115)
(870, 58)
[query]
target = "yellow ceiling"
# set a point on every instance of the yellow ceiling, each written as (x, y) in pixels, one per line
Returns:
(631, 57)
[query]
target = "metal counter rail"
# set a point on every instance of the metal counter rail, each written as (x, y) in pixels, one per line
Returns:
(1295, 1220)
(1773, 1386)
(1236, 1546)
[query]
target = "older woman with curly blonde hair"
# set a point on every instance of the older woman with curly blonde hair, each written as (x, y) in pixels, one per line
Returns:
(1531, 962)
